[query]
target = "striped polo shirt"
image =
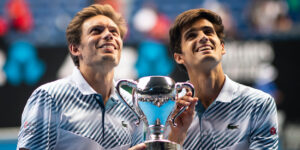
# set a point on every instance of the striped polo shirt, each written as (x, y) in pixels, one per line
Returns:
(68, 114)
(240, 118)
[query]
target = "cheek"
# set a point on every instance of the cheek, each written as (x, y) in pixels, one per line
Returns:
(93, 40)
(193, 45)
(120, 43)
(185, 46)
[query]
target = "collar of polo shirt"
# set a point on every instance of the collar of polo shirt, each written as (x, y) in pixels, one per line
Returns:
(86, 89)
(228, 91)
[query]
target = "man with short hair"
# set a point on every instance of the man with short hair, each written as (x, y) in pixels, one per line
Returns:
(229, 115)
(82, 111)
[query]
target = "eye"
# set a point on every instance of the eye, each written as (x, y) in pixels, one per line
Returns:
(96, 30)
(208, 31)
(191, 35)
(114, 32)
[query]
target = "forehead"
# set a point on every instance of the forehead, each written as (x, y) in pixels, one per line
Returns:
(98, 20)
(197, 25)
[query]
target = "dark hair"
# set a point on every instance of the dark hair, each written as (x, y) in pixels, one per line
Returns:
(74, 29)
(187, 18)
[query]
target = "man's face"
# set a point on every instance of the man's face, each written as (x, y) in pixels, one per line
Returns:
(201, 48)
(101, 42)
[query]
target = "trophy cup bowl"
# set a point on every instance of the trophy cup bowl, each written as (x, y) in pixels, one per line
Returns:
(154, 100)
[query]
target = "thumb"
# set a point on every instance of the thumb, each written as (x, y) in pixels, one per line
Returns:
(193, 104)
(141, 146)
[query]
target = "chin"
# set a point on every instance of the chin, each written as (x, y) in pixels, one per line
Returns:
(209, 61)
(111, 59)
(208, 58)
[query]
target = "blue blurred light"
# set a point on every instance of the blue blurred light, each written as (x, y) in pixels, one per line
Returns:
(23, 64)
(153, 59)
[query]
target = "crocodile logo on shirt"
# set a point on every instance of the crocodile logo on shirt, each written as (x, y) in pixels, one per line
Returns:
(124, 124)
(232, 126)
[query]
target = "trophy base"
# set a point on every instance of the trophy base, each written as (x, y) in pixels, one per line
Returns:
(162, 145)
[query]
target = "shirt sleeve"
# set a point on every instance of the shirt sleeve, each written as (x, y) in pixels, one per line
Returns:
(264, 134)
(38, 127)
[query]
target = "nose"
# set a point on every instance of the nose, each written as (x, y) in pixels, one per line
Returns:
(203, 38)
(108, 35)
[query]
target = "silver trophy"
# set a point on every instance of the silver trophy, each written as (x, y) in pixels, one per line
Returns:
(153, 100)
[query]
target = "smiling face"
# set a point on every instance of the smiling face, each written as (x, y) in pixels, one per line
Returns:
(100, 44)
(200, 46)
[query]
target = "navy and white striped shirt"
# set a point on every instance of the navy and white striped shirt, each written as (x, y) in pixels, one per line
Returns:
(68, 114)
(240, 118)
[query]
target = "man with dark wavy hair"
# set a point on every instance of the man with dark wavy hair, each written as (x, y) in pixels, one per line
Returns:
(229, 115)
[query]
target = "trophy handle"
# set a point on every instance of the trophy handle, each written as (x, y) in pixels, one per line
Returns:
(179, 87)
(132, 84)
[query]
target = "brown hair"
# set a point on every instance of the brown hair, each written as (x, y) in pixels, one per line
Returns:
(74, 29)
(188, 18)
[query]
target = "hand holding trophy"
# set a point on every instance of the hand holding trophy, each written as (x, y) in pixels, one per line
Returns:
(153, 102)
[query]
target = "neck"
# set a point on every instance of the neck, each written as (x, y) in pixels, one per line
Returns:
(99, 80)
(207, 84)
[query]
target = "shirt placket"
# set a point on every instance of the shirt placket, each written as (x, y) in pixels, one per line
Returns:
(99, 100)
(207, 139)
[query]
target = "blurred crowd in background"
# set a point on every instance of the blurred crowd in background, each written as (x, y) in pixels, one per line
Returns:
(262, 40)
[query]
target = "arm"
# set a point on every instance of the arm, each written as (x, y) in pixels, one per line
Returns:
(38, 130)
(264, 132)
(178, 133)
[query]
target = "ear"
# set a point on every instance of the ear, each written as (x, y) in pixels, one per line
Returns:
(223, 48)
(178, 58)
(74, 50)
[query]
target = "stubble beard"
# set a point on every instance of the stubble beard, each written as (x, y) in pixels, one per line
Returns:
(208, 63)
(109, 61)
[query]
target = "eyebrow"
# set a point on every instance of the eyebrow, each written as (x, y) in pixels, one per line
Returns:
(197, 29)
(103, 26)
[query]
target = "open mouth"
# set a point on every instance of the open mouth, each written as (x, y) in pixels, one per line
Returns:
(108, 46)
(204, 48)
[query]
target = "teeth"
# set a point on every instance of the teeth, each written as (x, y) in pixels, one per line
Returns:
(204, 48)
(108, 46)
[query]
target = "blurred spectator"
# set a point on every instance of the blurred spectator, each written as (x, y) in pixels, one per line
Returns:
(20, 15)
(294, 9)
(116, 4)
(283, 23)
(3, 26)
(145, 19)
(152, 23)
(268, 16)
